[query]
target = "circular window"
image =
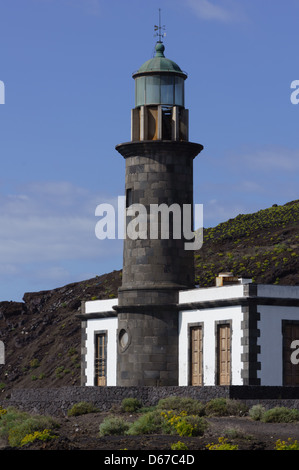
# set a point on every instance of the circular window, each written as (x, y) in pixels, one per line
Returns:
(123, 339)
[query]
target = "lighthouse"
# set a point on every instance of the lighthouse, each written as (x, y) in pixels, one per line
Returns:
(161, 331)
(156, 264)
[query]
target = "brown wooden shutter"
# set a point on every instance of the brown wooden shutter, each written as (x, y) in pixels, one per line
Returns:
(224, 355)
(196, 356)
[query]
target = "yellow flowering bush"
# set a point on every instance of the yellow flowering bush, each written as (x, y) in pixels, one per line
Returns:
(183, 424)
(2, 411)
(44, 435)
(179, 446)
(289, 445)
(222, 445)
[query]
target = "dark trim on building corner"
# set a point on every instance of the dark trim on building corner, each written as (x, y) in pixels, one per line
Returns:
(249, 357)
(83, 379)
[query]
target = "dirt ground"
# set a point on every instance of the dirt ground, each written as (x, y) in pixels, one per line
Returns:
(82, 433)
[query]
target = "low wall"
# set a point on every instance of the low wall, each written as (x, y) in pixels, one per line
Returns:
(56, 401)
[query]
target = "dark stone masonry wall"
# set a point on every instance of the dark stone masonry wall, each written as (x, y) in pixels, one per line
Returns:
(56, 401)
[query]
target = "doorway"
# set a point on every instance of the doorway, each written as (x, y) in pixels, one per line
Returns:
(196, 351)
(224, 354)
(101, 359)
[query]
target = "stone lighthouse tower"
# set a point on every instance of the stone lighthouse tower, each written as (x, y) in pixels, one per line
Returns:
(156, 264)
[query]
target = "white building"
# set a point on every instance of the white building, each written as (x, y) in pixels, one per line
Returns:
(237, 333)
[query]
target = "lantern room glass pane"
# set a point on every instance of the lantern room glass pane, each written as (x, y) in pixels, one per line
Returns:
(167, 90)
(159, 89)
(179, 91)
(140, 91)
(152, 90)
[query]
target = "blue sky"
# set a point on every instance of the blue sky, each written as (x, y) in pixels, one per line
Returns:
(67, 69)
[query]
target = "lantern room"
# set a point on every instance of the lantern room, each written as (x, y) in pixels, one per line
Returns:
(159, 112)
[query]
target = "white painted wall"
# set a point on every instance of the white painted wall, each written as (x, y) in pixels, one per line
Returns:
(270, 340)
(98, 324)
(211, 293)
(209, 317)
(97, 306)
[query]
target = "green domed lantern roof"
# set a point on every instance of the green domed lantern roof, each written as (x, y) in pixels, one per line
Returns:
(160, 64)
(159, 81)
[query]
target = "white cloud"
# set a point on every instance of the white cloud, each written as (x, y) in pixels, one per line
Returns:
(272, 158)
(47, 238)
(212, 10)
(50, 222)
(219, 210)
(247, 180)
(56, 273)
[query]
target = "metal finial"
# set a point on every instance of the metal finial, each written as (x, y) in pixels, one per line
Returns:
(160, 28)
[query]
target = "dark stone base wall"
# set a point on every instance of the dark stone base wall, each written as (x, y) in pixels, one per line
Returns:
(150, 357)
(57, 401)
(130, 297)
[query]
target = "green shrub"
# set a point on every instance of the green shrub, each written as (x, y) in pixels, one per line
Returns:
(225, 407)
(10, 419)
(236, 433)
(15, 425)
(72, 351)
(191, 425)
(149, 423)
(256, 412)
(130, 405)
(183, 424)
(34, 363)
(168, 422)
(280, 414)
(59, 372)
(113, 427)
(236, 407)
(82, 408)
(216, 407)
(178, 404)
(179, 446)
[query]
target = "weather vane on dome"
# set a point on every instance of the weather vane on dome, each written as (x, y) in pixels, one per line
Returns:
(160, 28)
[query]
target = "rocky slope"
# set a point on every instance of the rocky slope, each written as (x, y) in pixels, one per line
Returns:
(42, 333)
(263, 246)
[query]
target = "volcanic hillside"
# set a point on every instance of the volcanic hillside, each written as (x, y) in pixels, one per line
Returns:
(42, 334)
